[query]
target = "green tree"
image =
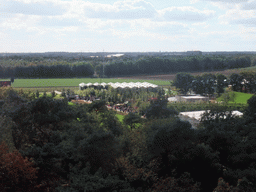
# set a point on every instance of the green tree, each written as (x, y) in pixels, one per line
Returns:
(53, 94)
(63, 93)
(228, 96)
(183, 81)
(44, 94)
(12, 79)
(198, 85)
(221, 83)
(132, 119)
(236, 82)
(83, 180)
(250, 83)
(251, 109)
(208, 83)
(37, 93)
(35, 121)
(159, 110)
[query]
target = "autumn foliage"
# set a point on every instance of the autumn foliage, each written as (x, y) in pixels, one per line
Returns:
(16, 171)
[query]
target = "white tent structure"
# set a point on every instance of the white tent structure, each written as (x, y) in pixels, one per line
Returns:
(133, 85)
(82, 86)
(130, 85)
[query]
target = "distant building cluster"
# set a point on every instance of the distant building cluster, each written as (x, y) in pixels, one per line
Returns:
(120, 54)
(194, 52)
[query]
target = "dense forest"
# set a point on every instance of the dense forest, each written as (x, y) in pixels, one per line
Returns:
(155, 65)
(48, 145)
(38, 67)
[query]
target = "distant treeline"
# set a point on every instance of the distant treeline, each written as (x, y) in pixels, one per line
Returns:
(42, 71)
(167, 65)
(45, 68)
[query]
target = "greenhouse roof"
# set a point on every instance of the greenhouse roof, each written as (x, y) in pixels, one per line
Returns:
(123, 85)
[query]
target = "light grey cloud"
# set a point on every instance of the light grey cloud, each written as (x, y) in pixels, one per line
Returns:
(169, 29)
(188, 14)
(60, 22)
(251, 22)
(249, 6)
(33, 7)
(120, 10)
(227, 1)
(239, 16)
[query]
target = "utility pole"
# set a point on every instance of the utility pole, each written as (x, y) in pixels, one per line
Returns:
(103, 62)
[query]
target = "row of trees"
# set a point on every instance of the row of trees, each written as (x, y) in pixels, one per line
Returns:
(42, 71)
(151, 65)
(53, 151)
(207, 83)
(44, 68)
(244, 82)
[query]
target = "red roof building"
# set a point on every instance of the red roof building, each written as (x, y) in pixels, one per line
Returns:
(5, 83)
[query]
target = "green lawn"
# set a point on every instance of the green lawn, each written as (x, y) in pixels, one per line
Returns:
(75, 82)
(239, 97)
(120, 117)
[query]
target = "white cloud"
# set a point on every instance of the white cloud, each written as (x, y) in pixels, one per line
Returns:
(45, 7)
(237, 16)
(226, 4)
(227, 1)
(143, 34)
(249, 6)
(163, 27)
(120, 10)
(19, 21)
(135, 24)
(190, 14)
(127, 9)
(58, 21)
(247, 21)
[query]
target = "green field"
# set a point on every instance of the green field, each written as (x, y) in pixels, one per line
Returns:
(239, 97)
(120, 117)
(74, 82)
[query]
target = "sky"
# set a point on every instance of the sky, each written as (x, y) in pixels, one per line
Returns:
(127, 25)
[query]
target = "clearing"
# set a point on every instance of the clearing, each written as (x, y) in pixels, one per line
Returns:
(239, 97)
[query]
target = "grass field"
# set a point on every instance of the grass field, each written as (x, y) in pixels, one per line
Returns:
(74, 82)
(239, 97)
(120, 117)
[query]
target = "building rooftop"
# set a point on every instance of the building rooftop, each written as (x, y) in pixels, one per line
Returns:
(198, 114)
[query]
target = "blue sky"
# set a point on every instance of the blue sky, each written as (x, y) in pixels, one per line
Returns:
(127, 25)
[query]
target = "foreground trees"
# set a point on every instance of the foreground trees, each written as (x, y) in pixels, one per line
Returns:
(56, 152)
